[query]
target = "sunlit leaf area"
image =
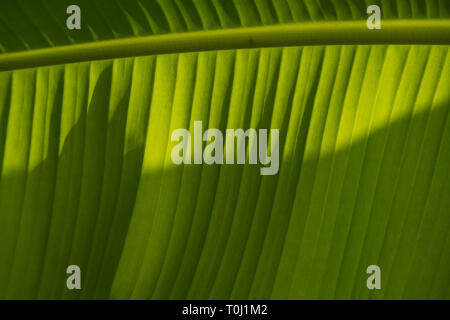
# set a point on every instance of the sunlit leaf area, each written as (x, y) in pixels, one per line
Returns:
(87, 171)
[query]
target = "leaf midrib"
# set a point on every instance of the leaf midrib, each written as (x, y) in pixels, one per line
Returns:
(299, 34)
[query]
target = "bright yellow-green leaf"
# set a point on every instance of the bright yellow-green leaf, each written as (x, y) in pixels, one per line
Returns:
(87, 179)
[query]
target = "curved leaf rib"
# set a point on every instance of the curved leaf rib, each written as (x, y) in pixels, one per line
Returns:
(298, 34)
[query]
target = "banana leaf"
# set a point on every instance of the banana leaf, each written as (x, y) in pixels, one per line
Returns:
(87, 179)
